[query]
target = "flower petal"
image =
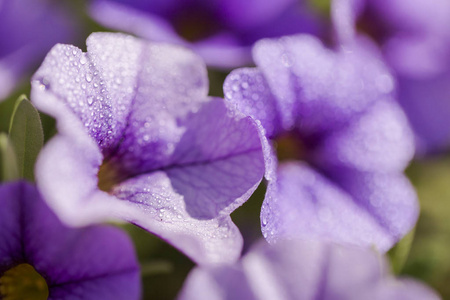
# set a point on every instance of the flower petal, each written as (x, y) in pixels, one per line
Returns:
(379, 140)
(218, 162)
(389, 198)
(427, 105)
(319, 89)
(302, 270)
(172, 83)
(247, 91)
(42, 24)
(302, 203)
(154, 204)
(72, 261)
(226, 152)
(117, 82)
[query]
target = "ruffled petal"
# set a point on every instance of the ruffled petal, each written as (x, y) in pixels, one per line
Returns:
(319, 89)
(302, 270)
(154, 204)
(215, 167)
(172, 84)
(303, 203)
(379, 140)
(246, 90)
(389, 198)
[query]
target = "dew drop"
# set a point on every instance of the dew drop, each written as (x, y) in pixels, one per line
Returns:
(88, 77)
(43, 84)
(286, 60)
(83, 60)
(90, 100)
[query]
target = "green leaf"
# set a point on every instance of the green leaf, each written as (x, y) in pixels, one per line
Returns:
(399, 253)
(8, 164)
(26, 135)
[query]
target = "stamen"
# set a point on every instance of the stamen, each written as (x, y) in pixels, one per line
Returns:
(23, 282)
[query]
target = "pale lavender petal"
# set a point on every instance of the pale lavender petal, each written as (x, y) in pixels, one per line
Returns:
(246, 90)
(427, 105)
(418, 40)
(66, 174)
(154, 204)
(149, 201)
(379, 140)
(72, 261)
(303, 203)
(344, 14)
(224, 283)
(67, 83)
(303, 270)
(172, 83)
(167, 126)
(317, 88)
(275, 272)
(101, 87)
(389, 198)
(405, 289)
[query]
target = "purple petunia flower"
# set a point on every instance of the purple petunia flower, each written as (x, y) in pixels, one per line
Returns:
(140, 140)
(40, 257)
(415, 39)
(222, 32)
(28, 29)
(303, 270)
(349, 141)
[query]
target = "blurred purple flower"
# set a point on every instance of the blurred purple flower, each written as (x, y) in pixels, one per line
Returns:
(415, 39)
(221, 31)
(303, 270)
(38, 254)
(140, 140)
(348, 138)
(28, 29)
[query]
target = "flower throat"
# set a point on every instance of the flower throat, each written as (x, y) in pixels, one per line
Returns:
(23, 282)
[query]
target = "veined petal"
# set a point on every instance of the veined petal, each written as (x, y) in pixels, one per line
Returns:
(118, 80)
(72, 261)
(213, 157)
(155, 205)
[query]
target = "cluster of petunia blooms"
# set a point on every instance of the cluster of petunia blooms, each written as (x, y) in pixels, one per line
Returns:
(139, 140)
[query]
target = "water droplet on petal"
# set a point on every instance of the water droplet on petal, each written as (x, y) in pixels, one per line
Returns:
(88, 77)
(286, 60)
(83, 60)
(43, 84)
